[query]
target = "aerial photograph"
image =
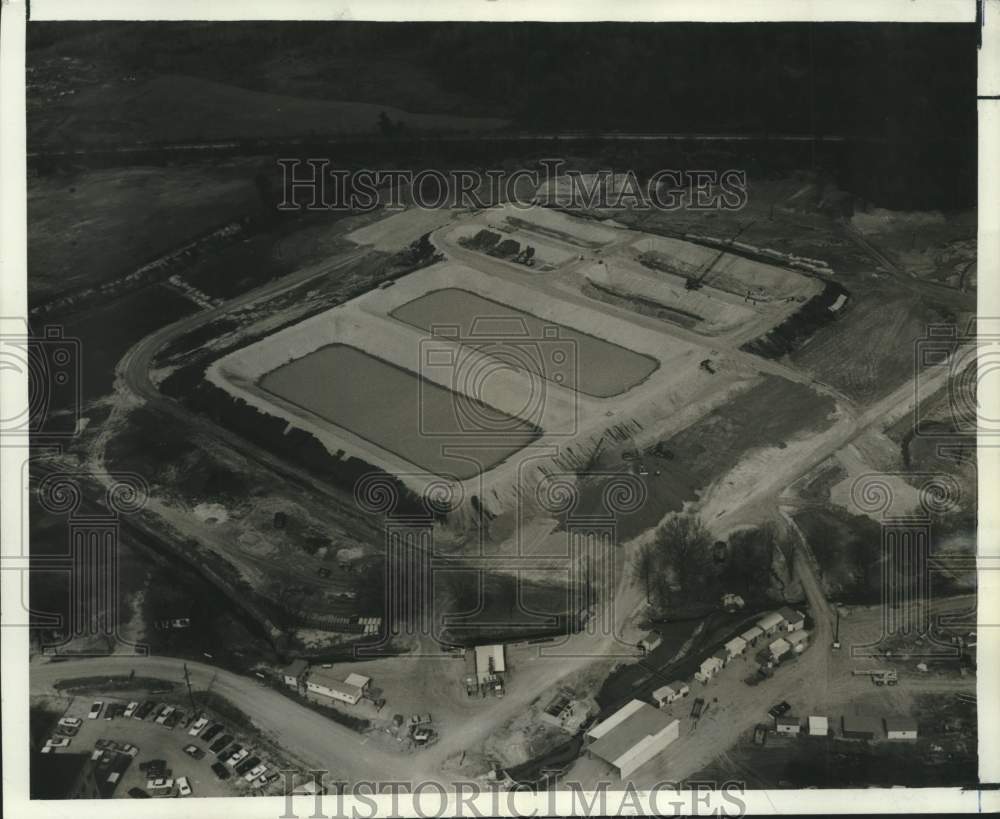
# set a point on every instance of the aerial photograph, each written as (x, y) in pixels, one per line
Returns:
(515, 407)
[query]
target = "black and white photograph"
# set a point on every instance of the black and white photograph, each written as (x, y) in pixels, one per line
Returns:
(587, 417)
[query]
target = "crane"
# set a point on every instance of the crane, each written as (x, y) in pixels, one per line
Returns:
(697, 282)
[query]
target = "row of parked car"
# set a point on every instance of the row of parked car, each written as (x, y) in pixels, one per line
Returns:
(231, 757)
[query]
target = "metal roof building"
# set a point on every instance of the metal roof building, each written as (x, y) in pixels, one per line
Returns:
(489, 660)
(632, 736)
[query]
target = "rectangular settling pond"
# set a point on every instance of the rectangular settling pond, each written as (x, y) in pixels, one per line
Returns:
(395, 409)
(569, 357)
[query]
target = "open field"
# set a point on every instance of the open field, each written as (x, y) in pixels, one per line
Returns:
(93, 226)
(178, 108)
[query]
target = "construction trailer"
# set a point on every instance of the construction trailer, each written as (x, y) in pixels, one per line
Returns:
(735, 647)
(770, 623)
(794, 620)
(798, 640)
(631, 737)
(669, 693)
(325, 683)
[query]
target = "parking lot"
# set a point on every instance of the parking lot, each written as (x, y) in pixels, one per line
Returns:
(156, 741)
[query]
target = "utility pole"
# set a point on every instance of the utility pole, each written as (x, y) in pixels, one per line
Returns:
(187, 680)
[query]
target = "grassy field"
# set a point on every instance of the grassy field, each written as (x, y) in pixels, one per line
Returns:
(90, 227)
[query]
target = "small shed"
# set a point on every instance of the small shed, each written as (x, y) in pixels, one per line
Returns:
(819, 726)
(787, 725)
(751, 634)
(735, 647)
(650, 641)
(293, 672)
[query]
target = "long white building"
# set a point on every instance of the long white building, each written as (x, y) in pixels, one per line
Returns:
(632, 736)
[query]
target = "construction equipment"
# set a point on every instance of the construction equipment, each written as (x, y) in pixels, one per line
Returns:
(698, 281)
(879, 676)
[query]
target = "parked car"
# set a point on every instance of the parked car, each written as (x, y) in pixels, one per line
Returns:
(254, 772)
(212, 732)
(131, 750)
(130, 710)
(71, 722)
(115, 709)
(144, 710)
(221, 770)
(95, 710)
(173, 718)
(138, 793)
(166, 712)
(220, 743)
(194, 751)
(183, 786)
(159, 784)
(196, 729)
(780, 709)
(246, 764)
(57, 742)
(237, 756)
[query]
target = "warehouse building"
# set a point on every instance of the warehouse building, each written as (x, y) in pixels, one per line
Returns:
(751, 634)
(900, 727)
(489, 662)
(632, 736)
